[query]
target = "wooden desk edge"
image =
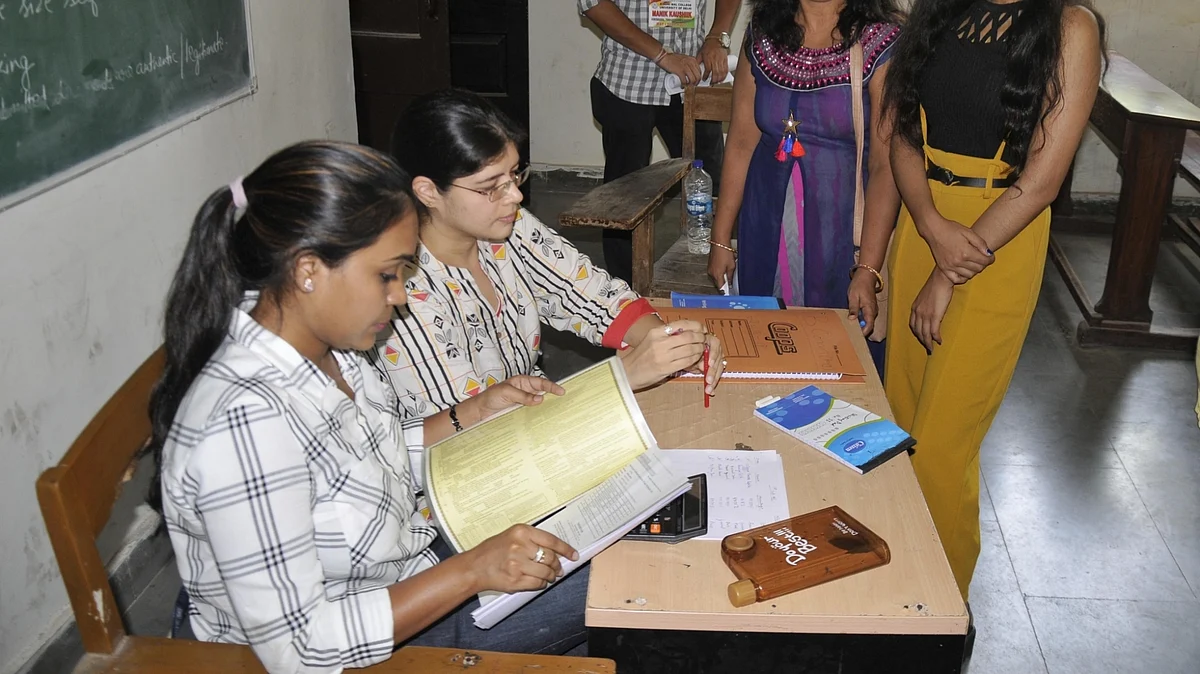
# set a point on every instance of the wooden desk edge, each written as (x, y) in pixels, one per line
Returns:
(776, 622)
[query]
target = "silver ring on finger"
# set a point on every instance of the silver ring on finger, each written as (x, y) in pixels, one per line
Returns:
(541, 555)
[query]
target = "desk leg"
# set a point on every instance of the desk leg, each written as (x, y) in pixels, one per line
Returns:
(668, 651)
(643, 256)
(1149, 159)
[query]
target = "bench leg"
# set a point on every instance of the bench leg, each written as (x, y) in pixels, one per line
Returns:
(1149, 159)
(643, 256)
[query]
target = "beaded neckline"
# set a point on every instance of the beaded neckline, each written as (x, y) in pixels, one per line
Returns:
(807, 69)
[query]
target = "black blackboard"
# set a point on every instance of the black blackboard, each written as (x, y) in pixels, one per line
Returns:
(79, 78)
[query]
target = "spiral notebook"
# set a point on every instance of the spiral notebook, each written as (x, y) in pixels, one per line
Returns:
(786, 345)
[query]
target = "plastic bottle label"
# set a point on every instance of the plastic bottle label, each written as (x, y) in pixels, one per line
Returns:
(698, 206)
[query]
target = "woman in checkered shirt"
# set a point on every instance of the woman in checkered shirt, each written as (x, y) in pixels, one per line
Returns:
(283, 476)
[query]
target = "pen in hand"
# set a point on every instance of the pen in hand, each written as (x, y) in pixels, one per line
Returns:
(704, 368)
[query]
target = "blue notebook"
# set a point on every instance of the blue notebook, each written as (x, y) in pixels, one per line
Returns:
(846, 432)
(688, 301)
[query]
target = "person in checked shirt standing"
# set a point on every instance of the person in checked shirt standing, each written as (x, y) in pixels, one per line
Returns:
(644, 41)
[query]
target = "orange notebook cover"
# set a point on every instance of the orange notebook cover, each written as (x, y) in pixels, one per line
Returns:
(788, 345)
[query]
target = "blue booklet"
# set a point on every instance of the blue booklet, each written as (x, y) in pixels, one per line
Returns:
(846, 432)
(688, 301)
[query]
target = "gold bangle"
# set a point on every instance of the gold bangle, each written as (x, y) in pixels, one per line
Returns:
(878, 276)
(721, 245)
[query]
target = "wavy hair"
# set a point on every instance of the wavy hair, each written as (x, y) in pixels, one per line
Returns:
(776, 19)
(1032, 81)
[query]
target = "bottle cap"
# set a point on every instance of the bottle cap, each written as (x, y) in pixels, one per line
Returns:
(739, 543)
(742, 593)
(698, 163)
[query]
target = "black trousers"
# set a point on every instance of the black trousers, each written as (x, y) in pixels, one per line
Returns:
(627, 131)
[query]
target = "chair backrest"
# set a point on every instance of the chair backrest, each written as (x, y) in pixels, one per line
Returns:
(77, 497)
(705, 104)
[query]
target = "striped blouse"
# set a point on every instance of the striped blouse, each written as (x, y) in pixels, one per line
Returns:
(449, 344)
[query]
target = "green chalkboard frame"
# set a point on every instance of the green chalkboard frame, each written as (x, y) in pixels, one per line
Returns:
(83, 82)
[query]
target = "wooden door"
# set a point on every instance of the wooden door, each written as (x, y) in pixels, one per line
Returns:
(489, 55)
(401, 50)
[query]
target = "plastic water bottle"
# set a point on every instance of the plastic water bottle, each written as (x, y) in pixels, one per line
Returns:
(697, 188)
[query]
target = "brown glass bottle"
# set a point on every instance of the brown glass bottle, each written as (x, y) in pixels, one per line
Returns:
(798, 553)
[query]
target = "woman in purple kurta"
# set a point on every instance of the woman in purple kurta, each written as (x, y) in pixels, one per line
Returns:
(796, 215)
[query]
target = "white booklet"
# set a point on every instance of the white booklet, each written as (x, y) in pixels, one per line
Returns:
(583, 466)
(595, 521)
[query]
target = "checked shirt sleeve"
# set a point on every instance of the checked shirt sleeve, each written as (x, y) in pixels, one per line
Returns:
(255, 501)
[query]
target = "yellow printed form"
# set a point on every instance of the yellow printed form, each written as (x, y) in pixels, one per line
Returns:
(528, 462)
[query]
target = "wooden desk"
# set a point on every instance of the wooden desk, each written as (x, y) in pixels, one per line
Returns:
(1145, 123)
(654, 608)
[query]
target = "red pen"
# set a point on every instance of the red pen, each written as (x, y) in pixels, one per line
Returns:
(704, 368)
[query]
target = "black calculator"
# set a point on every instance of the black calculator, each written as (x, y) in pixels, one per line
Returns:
(683, 518)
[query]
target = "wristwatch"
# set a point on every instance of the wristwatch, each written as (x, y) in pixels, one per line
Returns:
(723, 39)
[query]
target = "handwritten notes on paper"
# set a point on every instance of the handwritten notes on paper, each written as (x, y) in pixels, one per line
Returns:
(745, 489)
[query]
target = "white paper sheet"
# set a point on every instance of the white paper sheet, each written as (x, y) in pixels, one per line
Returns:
(745, 488)
(673, 86)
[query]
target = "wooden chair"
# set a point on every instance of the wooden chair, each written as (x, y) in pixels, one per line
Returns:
(629, 203)
(77, 496)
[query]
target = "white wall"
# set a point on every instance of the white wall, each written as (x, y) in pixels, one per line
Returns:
(564, 49)
(1161, 36)
(85, 269)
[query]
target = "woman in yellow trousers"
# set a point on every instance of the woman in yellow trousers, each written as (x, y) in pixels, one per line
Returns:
(1007, 87)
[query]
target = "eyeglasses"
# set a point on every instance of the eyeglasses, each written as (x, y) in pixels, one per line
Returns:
(497, 192)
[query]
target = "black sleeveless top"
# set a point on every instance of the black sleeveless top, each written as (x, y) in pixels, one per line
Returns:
(961, 87)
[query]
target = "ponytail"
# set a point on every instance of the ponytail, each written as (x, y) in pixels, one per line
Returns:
(200, 303)
(324, 198)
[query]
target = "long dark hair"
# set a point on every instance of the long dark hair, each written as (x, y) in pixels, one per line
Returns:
(451, 134)
(324, 198)
(1032, 82)
(776, 19)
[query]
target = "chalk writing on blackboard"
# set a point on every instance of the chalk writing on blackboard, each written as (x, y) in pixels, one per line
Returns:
(78, 77)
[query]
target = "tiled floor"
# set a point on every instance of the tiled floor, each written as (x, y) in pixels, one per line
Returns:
(1090, 501)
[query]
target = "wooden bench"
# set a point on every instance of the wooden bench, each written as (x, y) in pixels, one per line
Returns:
(1146, 125)
(76, 498)
(1188, 228)
(630, 202)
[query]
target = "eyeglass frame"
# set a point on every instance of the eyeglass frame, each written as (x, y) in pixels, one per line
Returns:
(497, 192)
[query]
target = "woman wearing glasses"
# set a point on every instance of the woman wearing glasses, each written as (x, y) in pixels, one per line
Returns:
(489, 274)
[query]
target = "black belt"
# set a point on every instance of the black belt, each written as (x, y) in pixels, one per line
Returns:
(947, 177)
